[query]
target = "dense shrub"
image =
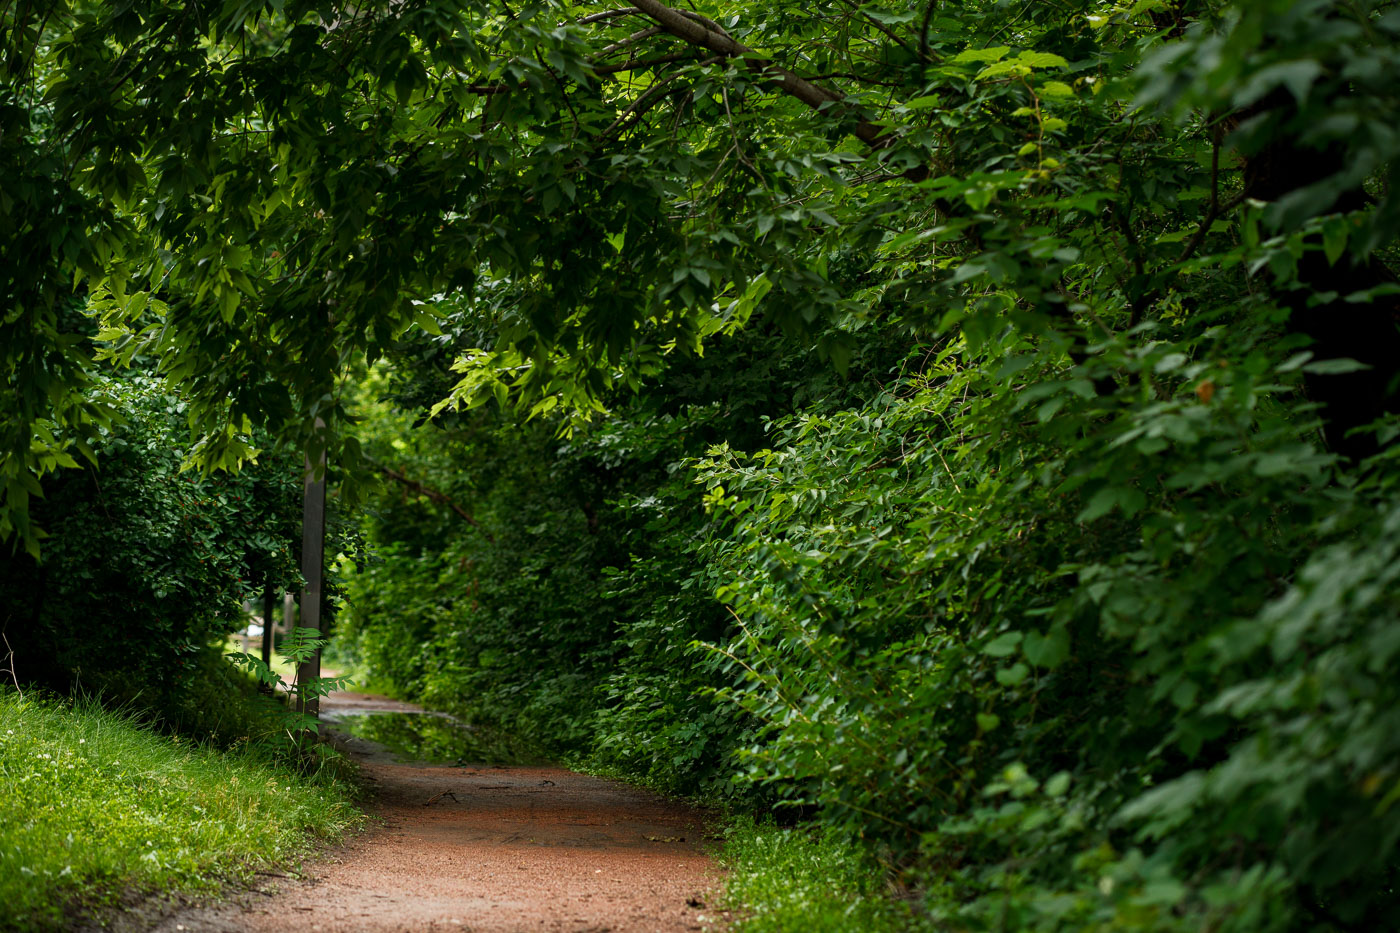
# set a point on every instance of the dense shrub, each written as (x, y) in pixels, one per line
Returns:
(494, 619)
(146, 562)
(986, 649)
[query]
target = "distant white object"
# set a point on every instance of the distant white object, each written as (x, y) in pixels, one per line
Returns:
(254, 630)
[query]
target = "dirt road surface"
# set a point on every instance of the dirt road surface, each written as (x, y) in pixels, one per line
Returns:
(489, 849)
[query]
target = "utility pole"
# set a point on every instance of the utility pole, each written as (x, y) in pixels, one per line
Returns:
(268, 623)
(313, 556)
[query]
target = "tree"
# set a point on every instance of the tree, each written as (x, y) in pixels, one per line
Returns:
(605, 186)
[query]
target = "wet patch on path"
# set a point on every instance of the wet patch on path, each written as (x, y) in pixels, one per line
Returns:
(426, 738)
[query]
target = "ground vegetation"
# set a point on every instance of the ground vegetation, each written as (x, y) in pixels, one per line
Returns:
(98, 812)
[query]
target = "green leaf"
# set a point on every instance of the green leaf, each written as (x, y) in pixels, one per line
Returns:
(1171, 362)
(1049, 650)
(1003, 645)
(888, 17)
(993, 54)
(1041, 60)
(424, 317)
(1126, 498)
(1335, 367)
(1013, 676)
(1334, 238)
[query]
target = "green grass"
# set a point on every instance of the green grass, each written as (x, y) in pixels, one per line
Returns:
(799, 880)
(95, 806)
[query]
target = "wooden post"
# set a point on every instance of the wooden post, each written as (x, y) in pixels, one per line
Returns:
(313, 555)
(268, 622)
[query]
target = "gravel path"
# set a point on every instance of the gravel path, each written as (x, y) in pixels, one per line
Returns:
(489, 849)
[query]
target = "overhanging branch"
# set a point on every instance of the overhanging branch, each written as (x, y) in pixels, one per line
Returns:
(816, 96)
(439, 497)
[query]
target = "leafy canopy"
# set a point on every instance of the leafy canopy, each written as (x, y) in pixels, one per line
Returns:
(259, 194)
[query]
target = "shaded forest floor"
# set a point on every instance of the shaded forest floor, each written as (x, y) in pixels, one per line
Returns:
(488, 848)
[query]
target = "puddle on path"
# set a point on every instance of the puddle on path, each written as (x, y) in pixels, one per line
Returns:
(433, 738)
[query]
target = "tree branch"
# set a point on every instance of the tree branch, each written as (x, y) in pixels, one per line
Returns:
(607, 14)
(1212, 214)
(433, 494)
(633, 64)
(815, 96)
(633, 39)
(647, 100)
(923, 30)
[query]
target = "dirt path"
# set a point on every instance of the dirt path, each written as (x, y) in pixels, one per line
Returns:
(498, 850)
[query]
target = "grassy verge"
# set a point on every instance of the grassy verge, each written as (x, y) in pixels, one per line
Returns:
(94, 806)
(797, 880)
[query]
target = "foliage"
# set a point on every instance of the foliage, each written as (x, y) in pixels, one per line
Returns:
(147, 562)
(393, 161)
(95, 808)
(784, 880)
(1062, 607)
(499, 630)
(1066, 587)
(222, 175)
(295, 726)
(557, 613)
(46, 362)
(925, 603)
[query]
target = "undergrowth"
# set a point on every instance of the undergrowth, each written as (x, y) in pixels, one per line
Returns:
(794, 880)
(96, 807)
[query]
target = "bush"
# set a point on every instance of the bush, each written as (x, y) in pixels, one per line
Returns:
(146, 563)
(945, 610)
